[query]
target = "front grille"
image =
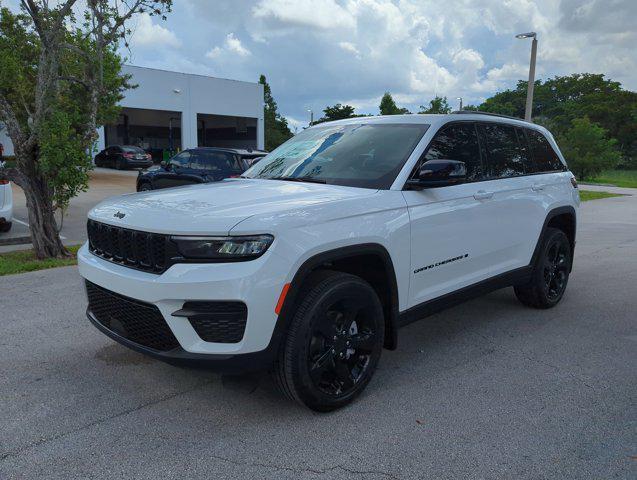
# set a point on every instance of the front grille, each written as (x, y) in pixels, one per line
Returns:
(141, 250)
(216, 321)
(136, 321)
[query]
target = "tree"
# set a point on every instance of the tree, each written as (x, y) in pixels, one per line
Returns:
(587, 150)
(388, 106)
(60, 78)
(337, 112)
(562, 99)
(437, 105)
(276, 127)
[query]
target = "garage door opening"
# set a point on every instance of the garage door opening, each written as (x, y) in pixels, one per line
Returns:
(226, 131)
(156, 131)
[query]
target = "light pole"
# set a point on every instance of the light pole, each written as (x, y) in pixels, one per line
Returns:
(311, 116)
(531, 84)
(460, 100)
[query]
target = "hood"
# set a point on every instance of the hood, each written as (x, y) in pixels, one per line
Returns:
(214, 208)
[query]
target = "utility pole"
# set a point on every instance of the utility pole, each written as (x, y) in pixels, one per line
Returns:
(531, 84)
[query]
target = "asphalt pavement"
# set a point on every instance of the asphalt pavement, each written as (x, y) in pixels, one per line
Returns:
(489, 389)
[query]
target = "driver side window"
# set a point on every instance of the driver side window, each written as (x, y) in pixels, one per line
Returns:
(458, 142)
(181, 160)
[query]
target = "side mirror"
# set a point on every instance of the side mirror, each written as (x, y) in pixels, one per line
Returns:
(438, 173)
(164, 164)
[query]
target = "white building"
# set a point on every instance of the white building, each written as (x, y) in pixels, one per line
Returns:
(174, 111)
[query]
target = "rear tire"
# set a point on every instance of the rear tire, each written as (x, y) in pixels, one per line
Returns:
(5, 227)
(145, 187)
(333, 344)
(550, 272)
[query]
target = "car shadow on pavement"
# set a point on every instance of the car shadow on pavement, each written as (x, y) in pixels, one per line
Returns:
(426, 348)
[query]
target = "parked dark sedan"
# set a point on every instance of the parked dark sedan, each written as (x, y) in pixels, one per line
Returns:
(123, 156)
(198, 165)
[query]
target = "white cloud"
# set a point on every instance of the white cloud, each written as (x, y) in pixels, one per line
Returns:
(350, 47)
(321, 14)
(319, 52)
(214, 52)
(232, 45)
(149, 34)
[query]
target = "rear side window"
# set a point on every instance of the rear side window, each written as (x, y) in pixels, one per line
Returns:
(458, 142)
(545, 158)
(525, 151)
(215, 162)
(505, 156)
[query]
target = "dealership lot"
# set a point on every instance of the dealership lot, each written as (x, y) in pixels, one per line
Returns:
(488, 389)
(104, 183)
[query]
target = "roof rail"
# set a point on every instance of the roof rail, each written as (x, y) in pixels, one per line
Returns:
(471, 112)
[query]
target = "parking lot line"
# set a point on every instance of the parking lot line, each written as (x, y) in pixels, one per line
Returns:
(21, 222)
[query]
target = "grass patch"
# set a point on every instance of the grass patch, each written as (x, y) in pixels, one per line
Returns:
(24, 261)
(586, 195)
(620, 178)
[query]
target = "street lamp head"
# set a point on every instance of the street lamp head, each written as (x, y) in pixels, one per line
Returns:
(526, 35)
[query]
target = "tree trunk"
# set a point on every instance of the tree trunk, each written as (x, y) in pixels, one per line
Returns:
(44, 235)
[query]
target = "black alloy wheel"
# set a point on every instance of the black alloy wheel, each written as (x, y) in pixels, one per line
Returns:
(550, 272)
(341, 346)
(555, 269)
(334, 342)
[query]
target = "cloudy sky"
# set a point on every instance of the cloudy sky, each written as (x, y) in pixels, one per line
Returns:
(319, 52)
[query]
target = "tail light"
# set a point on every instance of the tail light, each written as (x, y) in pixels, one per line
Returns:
(149, 156)
(573, 182)
(4, 182)
(129, 155)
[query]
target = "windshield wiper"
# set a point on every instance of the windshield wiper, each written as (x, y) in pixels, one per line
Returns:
(300, 179)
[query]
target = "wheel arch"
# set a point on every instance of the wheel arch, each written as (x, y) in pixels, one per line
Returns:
(370, 261)
(563, 218)
(141, 181)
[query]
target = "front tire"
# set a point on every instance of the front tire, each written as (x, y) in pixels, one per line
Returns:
(5, 227)
(550, 272)
(145, 187)
(334, 342)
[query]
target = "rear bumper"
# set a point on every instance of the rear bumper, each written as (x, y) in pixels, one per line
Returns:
(139, 163)
(6, 204)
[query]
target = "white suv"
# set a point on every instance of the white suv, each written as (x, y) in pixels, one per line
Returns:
(6, 206)
(308, 263)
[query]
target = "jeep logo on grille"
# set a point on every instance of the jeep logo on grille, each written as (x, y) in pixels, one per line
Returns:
(119, 215)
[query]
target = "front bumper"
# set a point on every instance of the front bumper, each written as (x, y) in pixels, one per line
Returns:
(228, 364)
(256, 283)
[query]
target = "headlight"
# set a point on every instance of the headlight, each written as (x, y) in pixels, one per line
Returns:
(223, 248)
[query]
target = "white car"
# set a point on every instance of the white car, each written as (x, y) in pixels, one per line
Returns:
(6, 206)
(309, 263)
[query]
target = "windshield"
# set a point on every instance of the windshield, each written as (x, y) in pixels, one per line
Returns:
(364, 155)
